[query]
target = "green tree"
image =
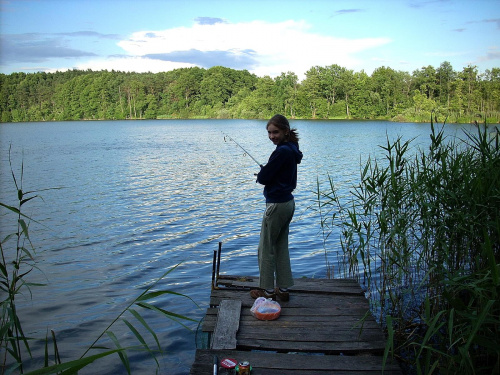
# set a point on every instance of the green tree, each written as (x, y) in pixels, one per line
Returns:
(425, 81)
(458, 99)
(469, 76)
(219, 92)
(445, 76)
(151, 111)
(185, 88)
(385, 85)
(362, 96)
(347, 88)
(331, 84)
(220, 83)
(491, 91)
(286, 86)
(311, 91)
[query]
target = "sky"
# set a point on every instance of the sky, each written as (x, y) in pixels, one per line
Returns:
(265, 37)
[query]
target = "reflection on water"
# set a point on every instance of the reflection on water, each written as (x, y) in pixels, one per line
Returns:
(139, 197)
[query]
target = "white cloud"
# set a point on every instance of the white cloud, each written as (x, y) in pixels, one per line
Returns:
(261, 47)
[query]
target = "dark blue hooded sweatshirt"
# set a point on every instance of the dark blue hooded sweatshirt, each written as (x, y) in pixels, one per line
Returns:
(279, 175)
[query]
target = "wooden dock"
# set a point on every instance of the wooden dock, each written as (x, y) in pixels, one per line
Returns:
(325, 328)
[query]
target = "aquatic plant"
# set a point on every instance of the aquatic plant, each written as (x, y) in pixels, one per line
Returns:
(18, 260)
(421, 231)
(16, 263)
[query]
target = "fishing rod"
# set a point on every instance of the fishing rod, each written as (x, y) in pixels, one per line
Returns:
(246, 152)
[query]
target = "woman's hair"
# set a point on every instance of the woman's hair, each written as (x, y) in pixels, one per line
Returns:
(282, 123)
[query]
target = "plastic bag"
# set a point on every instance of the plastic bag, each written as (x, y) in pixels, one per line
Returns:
(265, 309)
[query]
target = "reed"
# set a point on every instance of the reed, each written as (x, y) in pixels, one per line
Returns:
(422, 230)
(18, 260)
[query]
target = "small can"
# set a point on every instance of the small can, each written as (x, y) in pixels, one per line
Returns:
(244, 368)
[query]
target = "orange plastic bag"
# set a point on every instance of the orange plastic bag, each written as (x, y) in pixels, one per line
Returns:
(265, 309)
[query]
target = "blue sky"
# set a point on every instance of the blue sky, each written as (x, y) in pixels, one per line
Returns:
(264, 37)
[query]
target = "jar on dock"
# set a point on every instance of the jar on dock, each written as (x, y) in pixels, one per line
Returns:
(244, 368)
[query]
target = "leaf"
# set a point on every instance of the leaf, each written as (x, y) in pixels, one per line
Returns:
(129, 305)
(431, 330)
(4, 270)
(153, 295)
(25, 228)
(13, 209)
(16, 211)
(23, 201)
(122, 354)
(26, 251)
(478, 322)
(389, 346)
(35, 284)
(46, 350)
(4, 286)
(166, 313)
(8, 237)
(136, 333)
(141, 340)
(70, 367)
(143, 322)
(4, 328)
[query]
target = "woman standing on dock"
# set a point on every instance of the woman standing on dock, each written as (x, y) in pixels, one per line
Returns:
(279, 177)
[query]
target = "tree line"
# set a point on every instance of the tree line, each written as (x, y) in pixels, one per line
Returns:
(326, 92)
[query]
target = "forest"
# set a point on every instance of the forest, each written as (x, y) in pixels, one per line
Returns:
(329, 92)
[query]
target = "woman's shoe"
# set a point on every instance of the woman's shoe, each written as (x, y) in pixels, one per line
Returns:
(256, 293)
(283, 295)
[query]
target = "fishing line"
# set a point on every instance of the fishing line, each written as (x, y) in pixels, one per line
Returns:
(245, 151)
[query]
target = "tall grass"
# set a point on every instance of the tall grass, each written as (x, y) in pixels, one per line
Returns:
(18, 260)
(422, 231)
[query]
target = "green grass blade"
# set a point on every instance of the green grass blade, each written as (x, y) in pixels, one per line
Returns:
(141, 340)
(478, 322)
(128, 306)
(123, 355)
(72, 365)
(166, 313)
(152, 295)
(389, 346)
(146, 325)
(136, 333)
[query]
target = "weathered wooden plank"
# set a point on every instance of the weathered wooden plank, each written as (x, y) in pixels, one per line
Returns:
(353, 327)
(264, 371)
(295, 337)
(296, 300)
(288, 314)
(337, 324)
(227, 324)
(298, 281)
(307, 334)
(345, 347)
(294, 295)
(288, 364)
(334, 286)
(309, 322)
(322, 311)
(338, 319)
(306, 301)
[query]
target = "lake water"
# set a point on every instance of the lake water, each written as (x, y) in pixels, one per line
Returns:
(139, 197)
